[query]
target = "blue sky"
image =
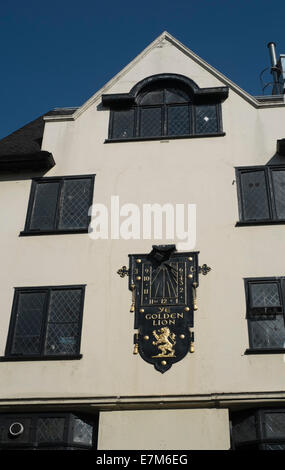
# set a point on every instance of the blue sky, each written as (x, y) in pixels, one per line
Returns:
(58, 53)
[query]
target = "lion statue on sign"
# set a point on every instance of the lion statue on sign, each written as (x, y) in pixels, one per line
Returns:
(165, 342)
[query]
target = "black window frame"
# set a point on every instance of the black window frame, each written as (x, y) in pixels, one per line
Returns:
(259, 441)
(55, 230)
(10, 356)
(31, 442)
(269, 190)
(265, 311)
(191, 106)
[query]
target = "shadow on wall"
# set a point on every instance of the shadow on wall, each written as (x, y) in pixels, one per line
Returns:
(279, 157)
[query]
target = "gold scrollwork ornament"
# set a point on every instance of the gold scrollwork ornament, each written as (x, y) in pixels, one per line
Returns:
(133, 287)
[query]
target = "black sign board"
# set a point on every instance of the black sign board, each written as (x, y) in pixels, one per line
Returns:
(163, 285)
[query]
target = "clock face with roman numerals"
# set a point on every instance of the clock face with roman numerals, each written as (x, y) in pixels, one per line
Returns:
(165, 284)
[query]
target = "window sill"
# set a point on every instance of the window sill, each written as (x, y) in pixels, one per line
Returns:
(265, 351)
(31, 233)
(164, 137)
(69, 357)
(259, 222)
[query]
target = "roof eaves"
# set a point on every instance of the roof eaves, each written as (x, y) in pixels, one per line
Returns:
(21, 150)
(61, 114)
(37, 161)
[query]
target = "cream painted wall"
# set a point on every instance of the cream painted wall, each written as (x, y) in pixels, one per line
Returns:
(199, 171)
(164, 430)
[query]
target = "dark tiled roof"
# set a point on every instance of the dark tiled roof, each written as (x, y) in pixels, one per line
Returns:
(27, 139)
(22, 149)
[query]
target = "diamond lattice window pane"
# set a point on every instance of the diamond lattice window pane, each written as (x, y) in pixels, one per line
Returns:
(178, 120)
(244, 427)
(274, 447)
(82, 432)
(267, 331)
(65, 305)
(28, 323)
(63, 322)
(62, 338)
(206, 119)
(274, 425)
(254, 196)
(50, 429)
(123, 124)
(44, 206)
(75, 202)
(174, 95)
(150, 125)
(152, 97)
(264, 295)
(278, 179)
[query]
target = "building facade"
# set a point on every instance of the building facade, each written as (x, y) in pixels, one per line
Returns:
(169, 128)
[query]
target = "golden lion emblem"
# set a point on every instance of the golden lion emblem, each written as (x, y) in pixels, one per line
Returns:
(165, 342)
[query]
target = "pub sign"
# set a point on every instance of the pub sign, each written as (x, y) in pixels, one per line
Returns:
(163, 285)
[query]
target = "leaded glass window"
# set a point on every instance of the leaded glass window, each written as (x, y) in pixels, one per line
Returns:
(267, 331)
(274, 424)
(265, 313)
(244, 427)
(179, 120)
(206, 119)
(123, 124)
(164, 112)
(50, 429)
(44, 206)
(60, 430)
(261, 194)
(82, 432)
(46, 322)
(150, 122)
(264, 295)
(278, 187)
(254, 195)
(28, 323)
(258, 429)
(59, 204)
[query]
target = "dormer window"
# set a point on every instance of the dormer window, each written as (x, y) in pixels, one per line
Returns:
(165, 106)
